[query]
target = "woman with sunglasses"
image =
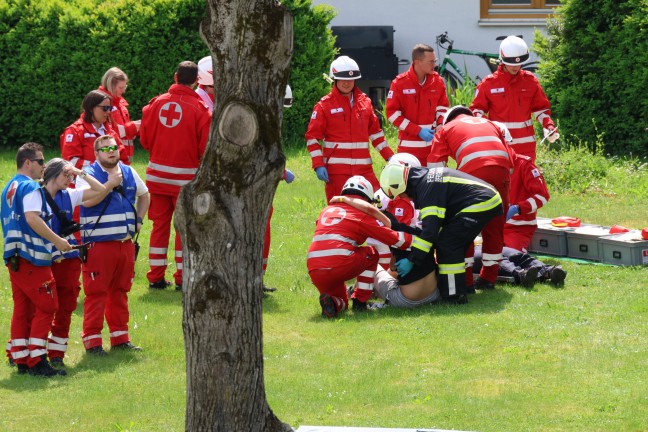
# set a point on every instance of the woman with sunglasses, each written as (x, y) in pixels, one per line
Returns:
(66, 266)
(77, 141)
(114, 83)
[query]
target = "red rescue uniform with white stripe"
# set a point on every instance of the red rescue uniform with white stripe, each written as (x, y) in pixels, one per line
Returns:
(480, 149)
(411, 106)
(345, 130)
(512, 100)
(529, 191)
(336, 255)
(175, 130)
(77, 143)
(121, 122)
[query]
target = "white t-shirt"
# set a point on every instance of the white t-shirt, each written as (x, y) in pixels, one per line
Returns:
(33, 201)
(140, 185)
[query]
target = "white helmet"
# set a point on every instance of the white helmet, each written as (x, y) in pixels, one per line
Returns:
(393, 179)
(205, 71)
(344, 68)
(455, 112)
(405, 159)
(514, 51)
(358, 185)
(288, 100)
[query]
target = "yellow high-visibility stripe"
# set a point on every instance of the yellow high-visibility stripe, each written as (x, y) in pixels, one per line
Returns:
(433, 211)
(456, 268)
(421, 244)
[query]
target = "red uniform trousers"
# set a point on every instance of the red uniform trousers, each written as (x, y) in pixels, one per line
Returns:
(493, 233)
(336, 183)
(518, 236)
(107, 279)
(66, 274)
(160, 213)
(35, 302)
(266, 242)
(361, 265)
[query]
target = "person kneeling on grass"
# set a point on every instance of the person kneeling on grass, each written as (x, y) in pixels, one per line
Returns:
(336, 255)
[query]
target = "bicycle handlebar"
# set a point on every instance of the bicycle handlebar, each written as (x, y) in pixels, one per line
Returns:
(443, 39)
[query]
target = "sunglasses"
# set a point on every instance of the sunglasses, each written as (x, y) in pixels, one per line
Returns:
(105, 108)
(41, 162)
(107, 149)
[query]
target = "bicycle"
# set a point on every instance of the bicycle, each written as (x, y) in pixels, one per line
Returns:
(457, 78)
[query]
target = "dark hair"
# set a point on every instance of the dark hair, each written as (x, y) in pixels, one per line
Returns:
(91, 100)
(455, 112)
(187, 73)
(27, 151)
(419, 50)
(53, 169)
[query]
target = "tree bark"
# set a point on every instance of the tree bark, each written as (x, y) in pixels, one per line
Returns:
(221, 217)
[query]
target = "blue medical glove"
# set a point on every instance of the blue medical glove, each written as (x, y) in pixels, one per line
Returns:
(289, 177)
(426, 134)
(322, 174)
(404, 266)
(512, 211)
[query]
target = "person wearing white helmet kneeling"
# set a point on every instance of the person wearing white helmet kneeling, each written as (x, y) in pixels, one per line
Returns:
(336, 255)
(512, 95)
(344, 120)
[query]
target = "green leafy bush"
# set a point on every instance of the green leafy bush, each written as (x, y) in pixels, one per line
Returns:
(595, 69)
(53, 52)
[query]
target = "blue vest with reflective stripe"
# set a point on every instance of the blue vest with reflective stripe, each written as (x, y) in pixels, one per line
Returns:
(19, 237)
(64, 204)
(118, 220)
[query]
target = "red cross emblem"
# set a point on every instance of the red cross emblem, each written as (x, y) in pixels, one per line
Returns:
(11, 192)
(170, 114)
(333, 216)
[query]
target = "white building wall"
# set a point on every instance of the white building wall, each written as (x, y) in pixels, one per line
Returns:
(420, 21)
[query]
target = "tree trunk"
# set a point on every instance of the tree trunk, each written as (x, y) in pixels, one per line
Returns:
(221, 217)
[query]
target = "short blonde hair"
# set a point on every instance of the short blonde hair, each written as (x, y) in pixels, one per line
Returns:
(103, 138)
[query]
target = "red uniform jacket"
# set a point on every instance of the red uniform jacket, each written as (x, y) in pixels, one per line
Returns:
(122, 123)
(411, 106)
(174, 129)
(341, 229)
(512, 99)
(472, 142)
(346, 132)
(77, 143)
(529, 191)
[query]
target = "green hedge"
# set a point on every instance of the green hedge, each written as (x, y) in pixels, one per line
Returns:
(53, 52)
(595, 70)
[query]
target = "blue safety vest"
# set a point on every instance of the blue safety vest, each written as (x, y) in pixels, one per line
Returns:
(64, 204)
(19, 238)
(118, 220)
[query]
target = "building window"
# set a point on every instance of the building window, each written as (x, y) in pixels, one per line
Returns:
(516, 9)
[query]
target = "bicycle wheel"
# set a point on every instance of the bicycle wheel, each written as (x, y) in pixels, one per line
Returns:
(452, 81)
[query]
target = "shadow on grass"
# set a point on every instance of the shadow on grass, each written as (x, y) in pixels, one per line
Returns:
(89, 365)
(486, 302)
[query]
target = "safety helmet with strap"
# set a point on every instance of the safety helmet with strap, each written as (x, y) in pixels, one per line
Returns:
(205, 71)
(393, 179)
(288, 99)
(514, 51)
(345, 68)
(358, 185)
(405, 159)
(455, 112)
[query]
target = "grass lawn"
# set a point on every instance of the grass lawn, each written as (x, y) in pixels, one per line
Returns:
(547, 359)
